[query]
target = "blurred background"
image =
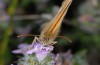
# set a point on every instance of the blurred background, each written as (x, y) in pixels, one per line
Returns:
(81, 25)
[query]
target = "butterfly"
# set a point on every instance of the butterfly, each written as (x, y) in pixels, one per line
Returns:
(51, 30)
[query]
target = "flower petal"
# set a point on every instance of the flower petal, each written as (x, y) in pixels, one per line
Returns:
(17, 51)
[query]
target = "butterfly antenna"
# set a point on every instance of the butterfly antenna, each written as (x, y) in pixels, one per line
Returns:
(65, 38)
(24, 35)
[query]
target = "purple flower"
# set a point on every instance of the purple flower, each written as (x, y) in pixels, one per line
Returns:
(22, 48)
(38, 49)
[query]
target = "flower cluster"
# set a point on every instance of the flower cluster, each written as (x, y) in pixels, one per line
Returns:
(37, 48)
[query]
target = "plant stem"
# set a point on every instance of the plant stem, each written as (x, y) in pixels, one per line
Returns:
(8, 32)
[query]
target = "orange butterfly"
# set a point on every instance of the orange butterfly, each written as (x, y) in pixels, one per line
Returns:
(51, 29)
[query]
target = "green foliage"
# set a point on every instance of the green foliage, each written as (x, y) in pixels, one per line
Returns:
(80, 58)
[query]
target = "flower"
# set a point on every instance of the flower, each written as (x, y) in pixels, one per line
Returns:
(37, 48)
(22, 48)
